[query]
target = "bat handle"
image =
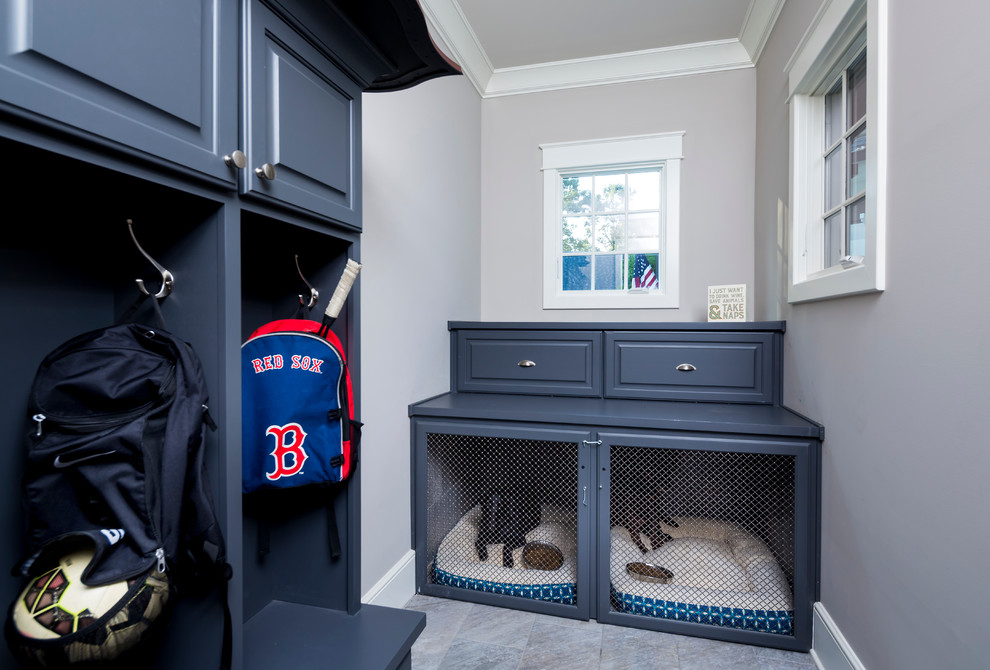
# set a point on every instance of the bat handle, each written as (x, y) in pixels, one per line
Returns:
(343, 288)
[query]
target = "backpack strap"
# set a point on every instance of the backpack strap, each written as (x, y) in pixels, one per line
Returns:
(333, 532)
(156, 307)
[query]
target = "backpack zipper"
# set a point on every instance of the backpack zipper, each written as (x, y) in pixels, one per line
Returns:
(93, 424)
(24, 569)
(39, 418)
(207, 419)
(160, 556)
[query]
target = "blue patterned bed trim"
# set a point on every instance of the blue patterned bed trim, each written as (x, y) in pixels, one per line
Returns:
(766, 621)
(554, 593)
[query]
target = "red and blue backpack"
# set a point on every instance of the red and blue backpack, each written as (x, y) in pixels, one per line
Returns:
(298, 427)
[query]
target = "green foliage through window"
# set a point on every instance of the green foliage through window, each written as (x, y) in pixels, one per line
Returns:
(608, 219)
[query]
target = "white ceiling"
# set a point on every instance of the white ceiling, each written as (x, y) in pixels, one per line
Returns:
(506, 47)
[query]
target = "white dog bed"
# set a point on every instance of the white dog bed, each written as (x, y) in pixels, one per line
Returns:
(457, 562)
(722, 576)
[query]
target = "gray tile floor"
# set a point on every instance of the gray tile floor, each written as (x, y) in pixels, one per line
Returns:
(468, 636)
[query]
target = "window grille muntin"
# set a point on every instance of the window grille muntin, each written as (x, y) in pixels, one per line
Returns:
(844, 136)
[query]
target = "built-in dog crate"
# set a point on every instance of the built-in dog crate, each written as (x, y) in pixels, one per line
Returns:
(502, 518)
(609, 502)
(706, 536)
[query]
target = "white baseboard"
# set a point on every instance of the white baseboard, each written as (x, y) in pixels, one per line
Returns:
(830, 649)
(397, 586)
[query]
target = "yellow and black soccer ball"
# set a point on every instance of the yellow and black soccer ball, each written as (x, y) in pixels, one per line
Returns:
(57, 619)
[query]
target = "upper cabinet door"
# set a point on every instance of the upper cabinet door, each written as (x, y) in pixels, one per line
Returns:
(157, 76)
(302, 123)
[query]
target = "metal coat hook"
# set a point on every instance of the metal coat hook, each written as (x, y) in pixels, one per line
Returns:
(314, 295)
(168, 281)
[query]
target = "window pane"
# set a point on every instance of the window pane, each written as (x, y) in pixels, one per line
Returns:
(610, 233)
(644, 190)
(856, 95)
(644, 232)
(577, 273)
(608, 272)
(857, 163)
(833, 179)
(833, 115)
(833, 239)
(856, 222)
(643, 271)
(576, 195)
(576, 234)
(610, 193)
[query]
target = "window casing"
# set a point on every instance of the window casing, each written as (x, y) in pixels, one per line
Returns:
(611, 210)
(838, 147)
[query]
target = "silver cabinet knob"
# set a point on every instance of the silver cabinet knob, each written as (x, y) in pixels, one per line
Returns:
(235, 160)
(526, 364)
(266, 171)
(686, 367)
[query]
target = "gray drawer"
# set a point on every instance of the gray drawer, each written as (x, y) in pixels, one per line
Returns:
(536, 362)
(718, 367)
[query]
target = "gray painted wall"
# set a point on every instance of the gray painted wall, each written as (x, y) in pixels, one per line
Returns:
(717, 111)
(900, 379)
(422, 158)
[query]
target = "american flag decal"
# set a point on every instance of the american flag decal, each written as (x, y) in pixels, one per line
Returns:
(643, 275)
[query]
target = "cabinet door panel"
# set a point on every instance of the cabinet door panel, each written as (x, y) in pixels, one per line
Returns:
(525, 479)
(304, 100)
(304, 120)
(711, 535)
(158, 77)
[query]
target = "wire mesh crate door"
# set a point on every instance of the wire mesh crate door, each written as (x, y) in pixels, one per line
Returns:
(702, 536)
(502, 515)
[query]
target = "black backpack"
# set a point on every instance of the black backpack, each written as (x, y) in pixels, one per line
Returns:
(115, 468)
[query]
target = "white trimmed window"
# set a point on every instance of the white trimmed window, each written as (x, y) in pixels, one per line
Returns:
(611, 222)
(837, 81)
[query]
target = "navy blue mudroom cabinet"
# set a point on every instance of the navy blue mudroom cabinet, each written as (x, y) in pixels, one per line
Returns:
(157, 79)
(229, 134)
(640, 474)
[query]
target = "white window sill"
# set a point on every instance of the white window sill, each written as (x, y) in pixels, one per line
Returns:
(835, 282)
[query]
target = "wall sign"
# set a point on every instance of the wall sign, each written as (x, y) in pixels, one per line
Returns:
(727, 303)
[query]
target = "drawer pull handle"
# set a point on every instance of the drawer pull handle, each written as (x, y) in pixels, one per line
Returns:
(686, 367)
(526, 364)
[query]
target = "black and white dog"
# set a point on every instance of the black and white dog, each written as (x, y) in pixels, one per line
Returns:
(505, 519)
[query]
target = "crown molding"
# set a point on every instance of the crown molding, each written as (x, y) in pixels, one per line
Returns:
(619, 68)
(449, 23)
(758, 24)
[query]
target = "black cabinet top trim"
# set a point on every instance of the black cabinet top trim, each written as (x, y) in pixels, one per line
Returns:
(611, 413)
(396, 31)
